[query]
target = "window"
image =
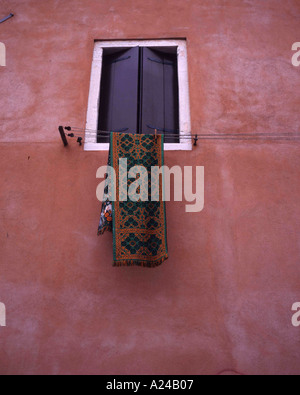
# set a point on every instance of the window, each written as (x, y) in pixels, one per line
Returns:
(137, 87)
(139, 92)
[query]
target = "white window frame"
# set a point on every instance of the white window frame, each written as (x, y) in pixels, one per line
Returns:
(185, 143)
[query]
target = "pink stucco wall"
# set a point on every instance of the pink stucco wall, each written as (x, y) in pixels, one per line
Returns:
(222, 302)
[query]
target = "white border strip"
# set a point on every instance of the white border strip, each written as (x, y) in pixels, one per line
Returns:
(94, 95)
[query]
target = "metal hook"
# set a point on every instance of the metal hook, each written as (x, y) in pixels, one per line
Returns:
(63, 135)
(6, 18)
(195, 140)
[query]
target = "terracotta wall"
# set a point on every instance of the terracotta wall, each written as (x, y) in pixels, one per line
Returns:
(222, 302)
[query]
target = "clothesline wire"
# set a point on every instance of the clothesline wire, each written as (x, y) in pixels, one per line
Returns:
(242, 139)
(235, 138)
(104, 134)
(83, 135)
(219, 137)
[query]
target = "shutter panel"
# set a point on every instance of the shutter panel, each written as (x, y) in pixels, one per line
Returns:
(159, 103)
(119, 92)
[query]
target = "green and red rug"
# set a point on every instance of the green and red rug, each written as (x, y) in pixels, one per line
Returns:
(139, 228)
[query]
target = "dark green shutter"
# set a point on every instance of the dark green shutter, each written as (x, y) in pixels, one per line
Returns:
(159, 101)
(118, 109)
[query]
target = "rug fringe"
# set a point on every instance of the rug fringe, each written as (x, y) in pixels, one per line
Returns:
(141, 263)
